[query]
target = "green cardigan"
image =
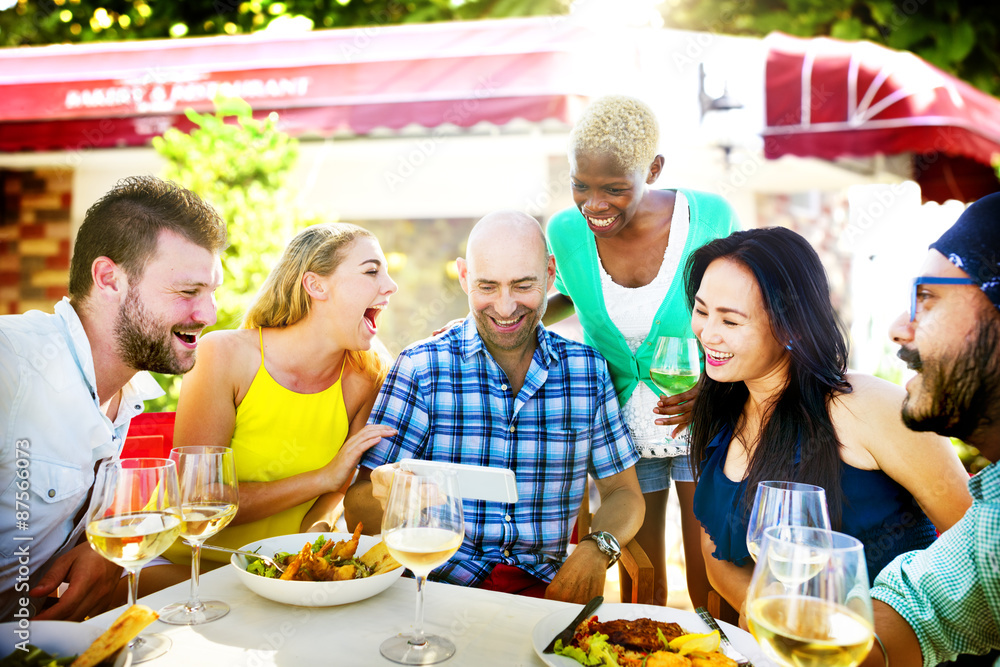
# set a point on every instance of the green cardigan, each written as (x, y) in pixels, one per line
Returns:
(578, 277)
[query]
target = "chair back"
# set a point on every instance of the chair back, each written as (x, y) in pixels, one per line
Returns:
(150, 434)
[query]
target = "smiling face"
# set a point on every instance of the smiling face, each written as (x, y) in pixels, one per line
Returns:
(952, 345)
(359, 290)
(507, 275)
(161, 316)
(732, 325)
(605, 194)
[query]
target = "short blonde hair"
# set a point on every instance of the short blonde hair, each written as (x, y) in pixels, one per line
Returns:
(283, 301)
(623, 127)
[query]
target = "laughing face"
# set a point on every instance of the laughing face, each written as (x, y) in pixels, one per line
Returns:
(360, 288)
(507, 276)
(732, 325)
(163, 314)
(607, 197)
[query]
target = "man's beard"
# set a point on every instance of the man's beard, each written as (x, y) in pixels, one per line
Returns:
(145, 344)
(963, 390)
(524, 335)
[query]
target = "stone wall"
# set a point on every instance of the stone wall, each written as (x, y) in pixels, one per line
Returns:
(34, 239)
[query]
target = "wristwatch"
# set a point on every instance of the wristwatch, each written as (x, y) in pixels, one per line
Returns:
(607, 543)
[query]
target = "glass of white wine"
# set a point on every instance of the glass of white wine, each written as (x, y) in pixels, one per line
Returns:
(674, 369)
(785, 504)
(209, 499)
(134, 515)
(423, 526)
(808, 603)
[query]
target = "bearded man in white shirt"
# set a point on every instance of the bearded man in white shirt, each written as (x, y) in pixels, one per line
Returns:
(144, 270)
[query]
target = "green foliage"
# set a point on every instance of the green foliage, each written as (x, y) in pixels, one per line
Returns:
(241, 167)
(54, 21)
(970, 456)
(959, 36)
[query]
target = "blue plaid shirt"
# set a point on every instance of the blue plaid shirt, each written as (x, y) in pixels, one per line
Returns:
(450, 401)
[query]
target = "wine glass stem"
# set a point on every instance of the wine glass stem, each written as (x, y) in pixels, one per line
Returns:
(194, 603)
(418, 638)
(133, 595)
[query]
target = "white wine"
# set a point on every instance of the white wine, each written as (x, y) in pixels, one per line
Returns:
(672, 383)
(796, 565)
(422, 549)
(754, 549)
(810, 632)
(202, 520)
(134, 539)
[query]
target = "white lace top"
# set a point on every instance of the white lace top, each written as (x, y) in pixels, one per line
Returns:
(632, 310)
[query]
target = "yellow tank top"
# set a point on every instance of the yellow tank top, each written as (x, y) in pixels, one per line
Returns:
(278, 433)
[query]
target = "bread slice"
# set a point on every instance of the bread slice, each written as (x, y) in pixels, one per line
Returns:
(379, 559)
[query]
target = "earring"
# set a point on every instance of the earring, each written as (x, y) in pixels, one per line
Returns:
(789, 345)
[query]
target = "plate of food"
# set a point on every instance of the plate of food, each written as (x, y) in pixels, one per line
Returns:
(640, 639)
(44, 643)
(320, 569)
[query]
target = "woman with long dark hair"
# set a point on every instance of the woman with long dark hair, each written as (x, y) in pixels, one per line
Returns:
(777, 403)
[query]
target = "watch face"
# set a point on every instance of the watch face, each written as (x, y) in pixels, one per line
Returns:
(607, 543)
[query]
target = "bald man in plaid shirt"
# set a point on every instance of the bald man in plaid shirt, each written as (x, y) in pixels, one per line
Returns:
(501, 390)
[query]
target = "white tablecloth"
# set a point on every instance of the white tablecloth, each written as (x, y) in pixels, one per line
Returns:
(488, 628)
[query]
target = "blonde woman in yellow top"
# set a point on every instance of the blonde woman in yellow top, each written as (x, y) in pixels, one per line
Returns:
(290, 392)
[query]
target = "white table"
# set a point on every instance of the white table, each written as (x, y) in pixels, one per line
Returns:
(488, 628)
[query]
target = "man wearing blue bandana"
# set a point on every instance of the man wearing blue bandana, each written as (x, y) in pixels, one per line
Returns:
(935, 604)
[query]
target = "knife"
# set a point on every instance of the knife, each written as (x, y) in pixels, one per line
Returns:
(567, 634)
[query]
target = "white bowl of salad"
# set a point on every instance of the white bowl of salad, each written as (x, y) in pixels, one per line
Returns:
(264, 581)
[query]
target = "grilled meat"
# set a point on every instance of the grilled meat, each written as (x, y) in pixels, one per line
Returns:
(637, 635)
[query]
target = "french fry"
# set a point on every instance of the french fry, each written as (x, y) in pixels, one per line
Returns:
(125, 628)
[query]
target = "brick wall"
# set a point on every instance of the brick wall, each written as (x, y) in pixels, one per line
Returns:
(34, 239)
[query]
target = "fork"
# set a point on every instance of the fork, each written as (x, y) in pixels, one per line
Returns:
(726, 645)
(248, 554)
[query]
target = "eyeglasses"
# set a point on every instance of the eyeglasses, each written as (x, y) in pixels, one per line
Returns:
(933, 280)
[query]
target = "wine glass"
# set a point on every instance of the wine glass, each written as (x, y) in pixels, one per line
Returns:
(785, 504)
(808, 603)
(423, 526)
(134, 515)
(674, 369)
(209, 499)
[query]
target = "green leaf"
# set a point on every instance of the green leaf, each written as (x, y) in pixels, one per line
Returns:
(849, 28)
(232, 106)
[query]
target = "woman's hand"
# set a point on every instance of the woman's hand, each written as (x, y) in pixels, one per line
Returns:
(450, 325)
(677, 409)
(341, 468)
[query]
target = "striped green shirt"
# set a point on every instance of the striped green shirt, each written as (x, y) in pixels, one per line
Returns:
(949, 593)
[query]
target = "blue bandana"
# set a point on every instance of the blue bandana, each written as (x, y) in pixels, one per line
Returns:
(973, 245)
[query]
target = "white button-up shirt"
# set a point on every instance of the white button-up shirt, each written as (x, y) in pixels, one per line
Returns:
(52, 434)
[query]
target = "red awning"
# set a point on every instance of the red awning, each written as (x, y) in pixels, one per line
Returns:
(828, 98)
(350, 80)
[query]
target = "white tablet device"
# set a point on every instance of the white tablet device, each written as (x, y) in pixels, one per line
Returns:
(474, 482)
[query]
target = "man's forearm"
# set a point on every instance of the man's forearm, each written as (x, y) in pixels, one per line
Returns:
(897, 637)
(621, 514)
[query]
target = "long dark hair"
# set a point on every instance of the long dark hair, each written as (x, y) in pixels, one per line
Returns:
(796, 297)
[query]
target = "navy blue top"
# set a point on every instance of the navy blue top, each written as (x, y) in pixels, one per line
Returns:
(876, 510)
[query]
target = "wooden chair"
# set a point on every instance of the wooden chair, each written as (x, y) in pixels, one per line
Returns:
(150, 434)
(635, 571)
(722, 610)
